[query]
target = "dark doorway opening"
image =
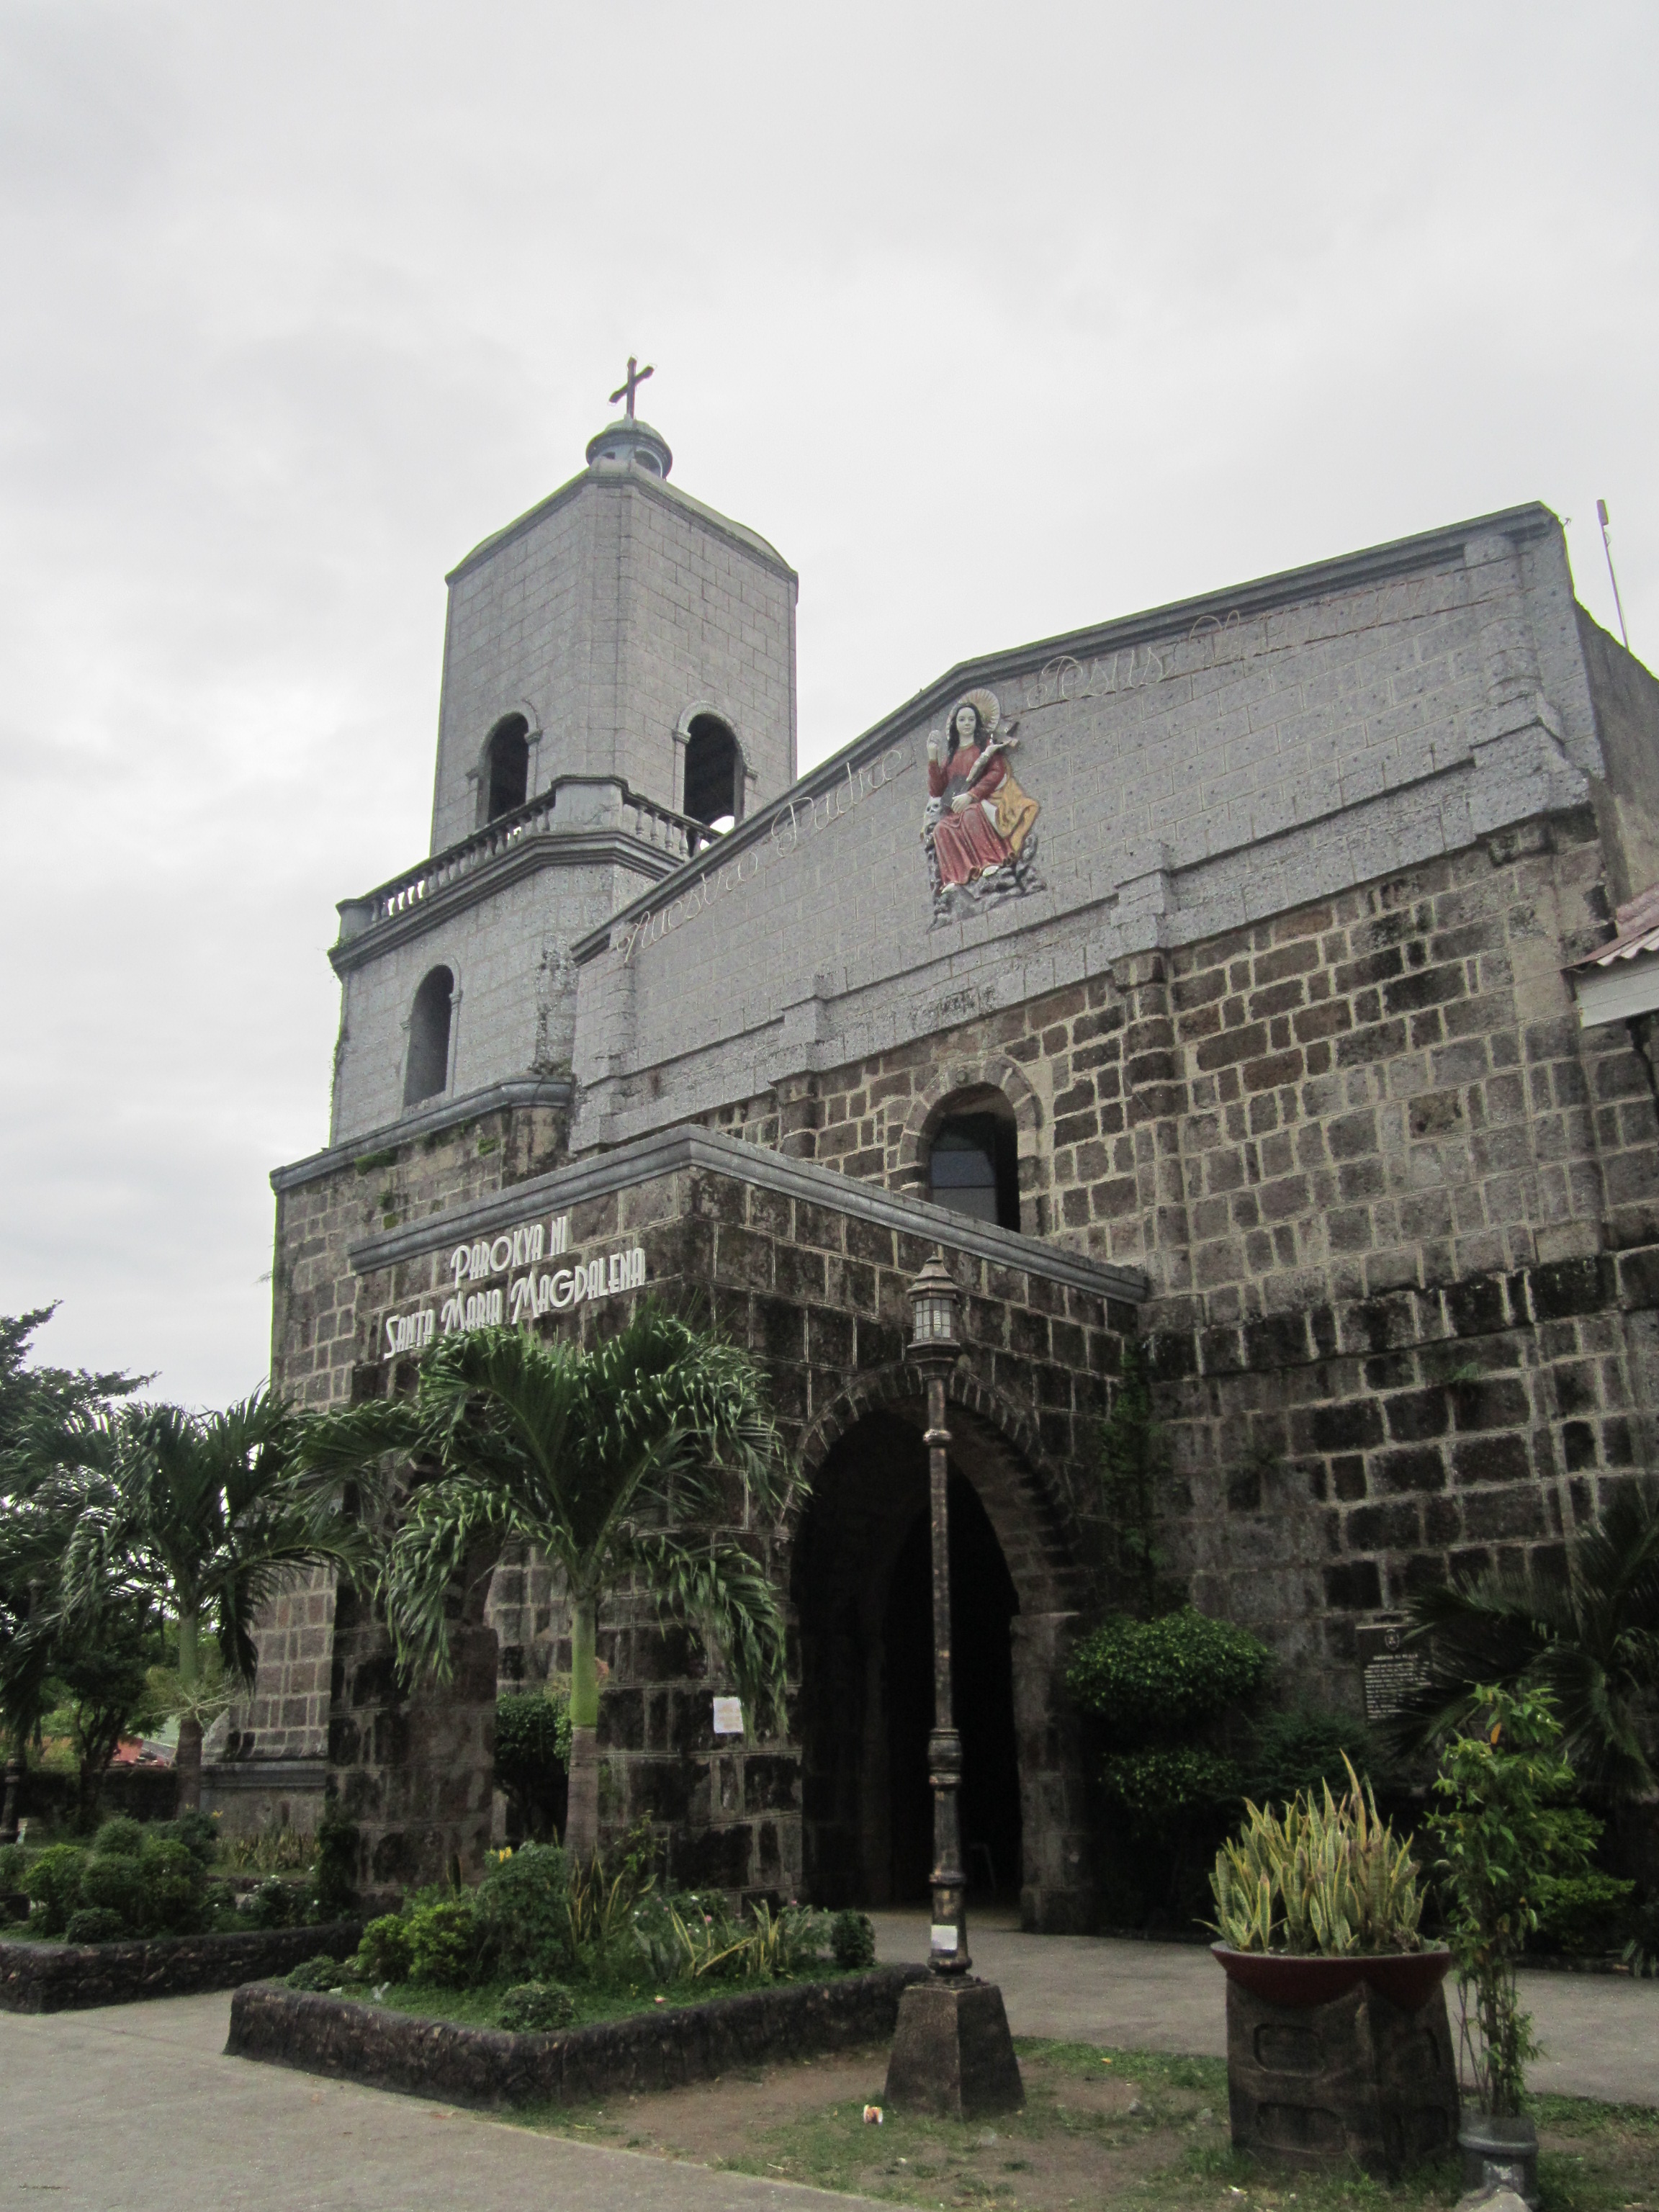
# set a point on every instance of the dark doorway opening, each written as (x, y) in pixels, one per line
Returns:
(983, 1605)
(863, 1590)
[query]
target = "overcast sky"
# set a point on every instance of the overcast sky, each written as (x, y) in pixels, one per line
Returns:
(995, 320)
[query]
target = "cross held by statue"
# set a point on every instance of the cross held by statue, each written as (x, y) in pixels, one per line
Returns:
(630, 384)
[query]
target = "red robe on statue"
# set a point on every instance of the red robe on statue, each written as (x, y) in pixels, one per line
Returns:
(968, 844)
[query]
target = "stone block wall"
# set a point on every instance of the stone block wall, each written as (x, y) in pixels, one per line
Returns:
(1399, 1210)
(819, 1296)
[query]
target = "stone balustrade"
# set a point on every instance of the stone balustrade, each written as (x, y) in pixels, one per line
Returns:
(569, 804)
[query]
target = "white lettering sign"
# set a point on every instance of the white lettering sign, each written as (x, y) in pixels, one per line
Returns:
(523, 1298)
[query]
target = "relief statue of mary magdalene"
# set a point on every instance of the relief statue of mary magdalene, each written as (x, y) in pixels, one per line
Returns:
(977, 830)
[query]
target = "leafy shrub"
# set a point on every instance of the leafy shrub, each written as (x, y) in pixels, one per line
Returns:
(1155, 1787)
(383, 1954)
(524, 1914)
(321, 1972)
(175, 1885)
(120, 1838)
(13, 1860)
(117, 1885)
(443, 1942)
(196, 1831)
(274, 1904)
(1305, 1746)
(1585, 1912)
(1327, 1877)
(1152, 1679)
(95, 1924)
(535, 2009)
(334, 1884)
(52, 1885)
(853, 1940)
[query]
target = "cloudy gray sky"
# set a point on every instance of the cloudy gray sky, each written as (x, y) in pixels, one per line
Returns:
(995, 320)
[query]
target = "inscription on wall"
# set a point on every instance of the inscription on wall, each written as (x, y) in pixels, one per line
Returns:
(525, 1291)
(1393, 1669)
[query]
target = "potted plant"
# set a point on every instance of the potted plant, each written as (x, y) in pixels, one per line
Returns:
(1337, 2041)
(1503, 1834)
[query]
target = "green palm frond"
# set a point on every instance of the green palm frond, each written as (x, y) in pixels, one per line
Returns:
(602, 1458)
(1588, 1632)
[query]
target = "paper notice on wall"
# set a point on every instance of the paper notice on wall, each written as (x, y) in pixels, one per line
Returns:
(728, 1715)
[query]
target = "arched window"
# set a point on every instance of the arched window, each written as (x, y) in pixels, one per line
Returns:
(428, 1038)
(973, 1166)
(714, 775)
(507, 767)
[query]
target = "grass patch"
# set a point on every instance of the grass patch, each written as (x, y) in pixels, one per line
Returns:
(477, 2007)
(1101, 2127)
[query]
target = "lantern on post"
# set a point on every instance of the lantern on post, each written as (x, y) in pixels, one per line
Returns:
(951, 2050)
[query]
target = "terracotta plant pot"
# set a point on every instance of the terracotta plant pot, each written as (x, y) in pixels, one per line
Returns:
(1407, 1978)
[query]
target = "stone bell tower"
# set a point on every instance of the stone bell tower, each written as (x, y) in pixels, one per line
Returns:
(618, 684)
(613, 630)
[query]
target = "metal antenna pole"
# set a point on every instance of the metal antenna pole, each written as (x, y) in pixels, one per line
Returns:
(1607, 547)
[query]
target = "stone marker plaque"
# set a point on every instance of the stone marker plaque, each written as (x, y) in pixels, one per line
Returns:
(1394, 1670)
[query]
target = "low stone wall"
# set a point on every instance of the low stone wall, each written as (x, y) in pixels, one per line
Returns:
(657, 2049)
(70, 1976)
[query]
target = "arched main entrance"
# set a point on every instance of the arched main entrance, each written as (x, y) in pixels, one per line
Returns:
(862, 1591)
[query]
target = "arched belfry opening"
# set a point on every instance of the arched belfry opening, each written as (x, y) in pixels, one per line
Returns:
(426, 1072)
(714, 775)
(973, 1157)
(862, 1585)
(507, 767)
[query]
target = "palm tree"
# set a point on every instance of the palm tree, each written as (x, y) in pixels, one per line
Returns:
(1586, 1631)
(620, 1463)
(212, 1514)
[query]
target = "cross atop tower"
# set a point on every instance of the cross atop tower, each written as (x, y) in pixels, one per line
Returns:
(630, 384)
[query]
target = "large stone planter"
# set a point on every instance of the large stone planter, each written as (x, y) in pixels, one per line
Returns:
(1333, 2060)
(1500, 2155)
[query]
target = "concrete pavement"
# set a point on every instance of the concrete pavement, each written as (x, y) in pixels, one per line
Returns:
(134, 2108)
(1600, 2033)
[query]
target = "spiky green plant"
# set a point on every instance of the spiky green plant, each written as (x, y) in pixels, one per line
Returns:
(1326, 1876)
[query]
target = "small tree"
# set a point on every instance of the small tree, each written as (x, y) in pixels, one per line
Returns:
(1159, 1691)
(40, 1501)
(210, 1515)
(1503, 1832)
(621, 1463)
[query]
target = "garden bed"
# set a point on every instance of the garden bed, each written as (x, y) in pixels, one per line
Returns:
(39, 1976)
(662, 2047)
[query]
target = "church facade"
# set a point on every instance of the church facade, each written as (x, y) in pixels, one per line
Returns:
(1204, 977)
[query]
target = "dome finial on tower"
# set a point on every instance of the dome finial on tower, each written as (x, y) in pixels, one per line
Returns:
(628, 439)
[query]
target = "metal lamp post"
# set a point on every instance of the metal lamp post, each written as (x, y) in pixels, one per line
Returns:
(934, 1347)
(952, 2053)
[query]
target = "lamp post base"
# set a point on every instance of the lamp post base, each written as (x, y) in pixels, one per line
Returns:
(952, 2054)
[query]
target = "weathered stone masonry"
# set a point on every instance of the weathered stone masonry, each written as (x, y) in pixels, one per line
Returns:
(1284, 1038)
(811, 1274)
